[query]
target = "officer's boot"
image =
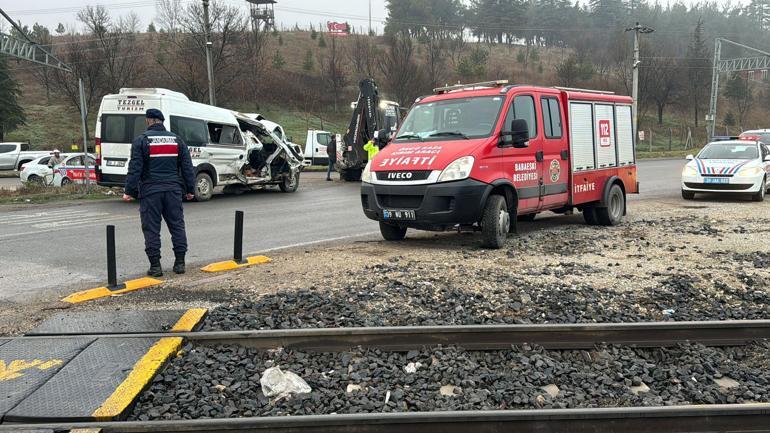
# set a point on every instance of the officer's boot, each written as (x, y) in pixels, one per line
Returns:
(155, 269)
(179, 263)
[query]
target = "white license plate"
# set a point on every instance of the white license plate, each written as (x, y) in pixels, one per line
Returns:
(402, 215)
(116, 163)
(717, 180)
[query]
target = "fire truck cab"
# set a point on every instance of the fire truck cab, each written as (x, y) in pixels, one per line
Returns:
(482, 156)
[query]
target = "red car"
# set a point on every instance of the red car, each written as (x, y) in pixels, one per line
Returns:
(481, 156)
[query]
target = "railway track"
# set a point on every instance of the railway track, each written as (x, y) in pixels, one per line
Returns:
(675, 419)
(478, 337)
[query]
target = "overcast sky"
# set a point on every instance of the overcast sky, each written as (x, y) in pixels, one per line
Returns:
(287, 12)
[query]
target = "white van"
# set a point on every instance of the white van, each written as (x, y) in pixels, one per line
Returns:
(315, 147)
(228, 149)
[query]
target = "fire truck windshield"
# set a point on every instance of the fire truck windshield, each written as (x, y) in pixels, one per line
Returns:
(729, 151)
(452, 119)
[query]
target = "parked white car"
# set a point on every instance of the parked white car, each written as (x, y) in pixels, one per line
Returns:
(729, 167)
(71, 170)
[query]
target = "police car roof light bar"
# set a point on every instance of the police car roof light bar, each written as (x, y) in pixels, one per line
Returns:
(447, 89)
(574, 89)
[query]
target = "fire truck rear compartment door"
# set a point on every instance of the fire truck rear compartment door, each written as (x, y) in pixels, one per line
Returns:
(582, 136)
(604, 123)
(625, 134)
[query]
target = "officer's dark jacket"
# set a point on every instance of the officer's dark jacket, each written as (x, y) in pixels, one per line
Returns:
(331, 150)
(160, 161)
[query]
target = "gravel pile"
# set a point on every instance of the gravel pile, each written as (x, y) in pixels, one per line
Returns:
(224, 381)
(423, 302)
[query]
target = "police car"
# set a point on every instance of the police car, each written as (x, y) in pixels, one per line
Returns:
(731, 166)
(71, 170)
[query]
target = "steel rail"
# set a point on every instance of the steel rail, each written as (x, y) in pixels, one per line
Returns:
(479, 337)
(677, 419)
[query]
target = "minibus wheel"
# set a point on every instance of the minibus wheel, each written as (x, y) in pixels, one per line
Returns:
(204, 187)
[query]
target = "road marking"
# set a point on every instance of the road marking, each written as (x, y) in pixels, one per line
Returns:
(47, 230)
(141, 375)
(61, 218)
(15, 368)
(320, 241)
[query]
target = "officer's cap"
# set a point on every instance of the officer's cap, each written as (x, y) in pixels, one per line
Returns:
(154, 113)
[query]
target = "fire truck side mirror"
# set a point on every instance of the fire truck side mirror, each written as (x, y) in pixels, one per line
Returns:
(517, 136)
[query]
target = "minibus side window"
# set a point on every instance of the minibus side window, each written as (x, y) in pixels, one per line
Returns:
(225, 135)
(192, 131)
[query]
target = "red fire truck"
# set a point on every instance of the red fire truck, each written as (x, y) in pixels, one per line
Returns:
(482, 156)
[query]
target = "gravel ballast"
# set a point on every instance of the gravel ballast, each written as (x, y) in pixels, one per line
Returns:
(510, 301)
(223, 381)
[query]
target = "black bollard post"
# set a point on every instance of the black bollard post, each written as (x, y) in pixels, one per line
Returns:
(238, 240)
(112, 272)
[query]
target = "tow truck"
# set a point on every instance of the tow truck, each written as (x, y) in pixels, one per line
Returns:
(370, 115)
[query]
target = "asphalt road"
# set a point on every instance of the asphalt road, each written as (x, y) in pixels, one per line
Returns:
(56, 248)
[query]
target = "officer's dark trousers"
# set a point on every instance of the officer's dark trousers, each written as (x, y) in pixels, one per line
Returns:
(166, 205)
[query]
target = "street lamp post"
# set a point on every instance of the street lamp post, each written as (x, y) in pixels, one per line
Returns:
(209, 63)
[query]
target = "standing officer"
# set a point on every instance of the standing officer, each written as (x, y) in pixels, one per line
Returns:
(159, 174)
(331, 151)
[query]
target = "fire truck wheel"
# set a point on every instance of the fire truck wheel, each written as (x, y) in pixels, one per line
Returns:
(527, 218)
(495, 222)
(392, 233)
(760, 195)
(687, 195)
(589, 214)
(616, 204)
(204, 187)
(290, 183)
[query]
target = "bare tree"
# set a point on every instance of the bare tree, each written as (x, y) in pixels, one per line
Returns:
(181, 55)
(362, 54)
(115, 42)
(170, 14)
(403, 77)
(333, 70)
(255, 45)
(87, 62)
(659, 76)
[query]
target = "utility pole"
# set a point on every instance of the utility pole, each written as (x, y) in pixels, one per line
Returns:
(209, 63)
(637, 29)
(370, 17)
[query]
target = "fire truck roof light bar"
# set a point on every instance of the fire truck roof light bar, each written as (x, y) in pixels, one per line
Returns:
(573, 89)
(496, 83)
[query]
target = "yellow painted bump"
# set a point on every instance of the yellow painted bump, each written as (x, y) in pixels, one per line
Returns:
(231, 265)
(141, 375)
(103, 292)
(189, 320)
